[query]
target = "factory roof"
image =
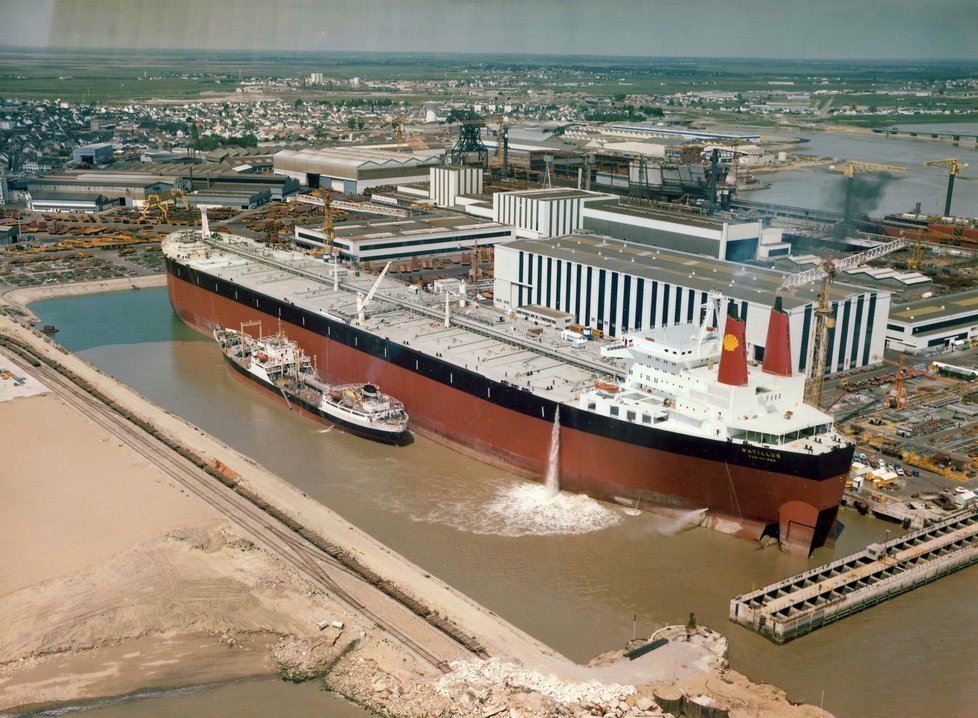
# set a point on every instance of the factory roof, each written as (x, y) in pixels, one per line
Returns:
(68, 197)
(740, 281)
(359, 157)
(556, 194)
(691, 219)
(686, 132)
(936, 307)
(114, 179)
(414, 227)
(220, 171)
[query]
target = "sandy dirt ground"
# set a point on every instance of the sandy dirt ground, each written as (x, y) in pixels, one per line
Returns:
(115, 579)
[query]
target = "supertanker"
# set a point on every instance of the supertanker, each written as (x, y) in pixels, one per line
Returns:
(675, 418)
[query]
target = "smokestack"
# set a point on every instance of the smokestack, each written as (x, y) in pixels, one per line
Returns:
(733, 358)
(777, 349)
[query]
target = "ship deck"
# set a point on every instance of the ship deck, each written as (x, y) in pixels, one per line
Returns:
(479, 337)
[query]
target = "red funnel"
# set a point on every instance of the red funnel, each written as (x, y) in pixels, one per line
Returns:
(733, 358)
(777, 349)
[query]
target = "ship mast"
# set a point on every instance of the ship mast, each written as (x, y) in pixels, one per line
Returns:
(713, 304)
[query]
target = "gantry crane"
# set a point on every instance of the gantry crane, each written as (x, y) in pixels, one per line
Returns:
(850, 170)
(153, 200)
(826, 272)
(178, 194)
(954, 166)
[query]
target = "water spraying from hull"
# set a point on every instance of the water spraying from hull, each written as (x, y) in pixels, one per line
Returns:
(683, 521)
(552, 482)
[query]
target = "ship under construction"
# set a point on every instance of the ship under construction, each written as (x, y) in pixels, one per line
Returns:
(675, 417)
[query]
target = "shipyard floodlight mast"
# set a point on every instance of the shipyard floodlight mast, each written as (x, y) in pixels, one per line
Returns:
(826, 271)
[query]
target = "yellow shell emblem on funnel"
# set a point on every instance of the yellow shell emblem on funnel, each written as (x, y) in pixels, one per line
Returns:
(730, 342)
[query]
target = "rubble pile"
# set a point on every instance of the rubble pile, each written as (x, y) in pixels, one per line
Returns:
(498, 684)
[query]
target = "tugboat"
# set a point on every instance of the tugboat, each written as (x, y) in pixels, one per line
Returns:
(277, 364)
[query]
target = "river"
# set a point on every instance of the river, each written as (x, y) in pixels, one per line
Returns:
(573, 573)
(821, 188)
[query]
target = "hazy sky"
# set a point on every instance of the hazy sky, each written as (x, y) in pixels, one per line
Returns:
(891, 29)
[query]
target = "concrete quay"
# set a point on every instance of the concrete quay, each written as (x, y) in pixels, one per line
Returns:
(803, 603)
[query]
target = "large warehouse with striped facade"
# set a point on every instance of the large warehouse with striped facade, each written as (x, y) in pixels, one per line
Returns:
(620, 287)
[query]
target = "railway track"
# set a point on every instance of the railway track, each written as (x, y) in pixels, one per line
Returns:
(337, 579)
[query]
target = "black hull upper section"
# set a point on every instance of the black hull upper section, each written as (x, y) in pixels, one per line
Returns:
(400, 438)
(817, 467)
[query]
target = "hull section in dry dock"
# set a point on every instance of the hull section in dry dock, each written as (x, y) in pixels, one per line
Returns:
(748, 489)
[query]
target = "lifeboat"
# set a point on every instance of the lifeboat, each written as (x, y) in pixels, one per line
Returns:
(606, 387)
(262, 357)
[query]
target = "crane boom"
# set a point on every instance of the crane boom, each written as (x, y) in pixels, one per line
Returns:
(362, 301)
(954, 166)
(793, 281)
(849, 170)
(826, 272)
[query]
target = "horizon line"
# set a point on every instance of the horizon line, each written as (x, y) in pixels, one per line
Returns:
(460, 53)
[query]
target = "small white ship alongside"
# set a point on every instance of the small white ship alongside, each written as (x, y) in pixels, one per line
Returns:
(278, 365)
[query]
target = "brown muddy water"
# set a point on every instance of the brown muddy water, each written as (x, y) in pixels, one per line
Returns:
(572, 572)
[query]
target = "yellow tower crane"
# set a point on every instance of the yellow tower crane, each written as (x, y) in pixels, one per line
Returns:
(398, 123)
(826, 272)
(917, 252)
(850, 170)
(954, 167)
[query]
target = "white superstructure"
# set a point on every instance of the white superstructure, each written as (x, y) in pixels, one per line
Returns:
(671, 383)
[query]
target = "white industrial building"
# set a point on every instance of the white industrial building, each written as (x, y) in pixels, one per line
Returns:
(404, 238)
(717, 236)
(934, 323)
(68, 202)
(619, 287)
(353, 169)
(545, 212)
(448, 182)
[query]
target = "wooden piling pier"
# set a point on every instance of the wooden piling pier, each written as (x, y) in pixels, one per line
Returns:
(803, 603)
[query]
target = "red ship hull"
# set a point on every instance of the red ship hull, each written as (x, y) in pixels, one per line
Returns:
(742, 500)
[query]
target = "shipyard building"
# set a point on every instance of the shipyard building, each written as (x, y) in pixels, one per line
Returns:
(618, 287)
(100, 153)
(718, 236)
(389, 238)
(353, 170)
(538, 214)
(935, 323)
(546, 212)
